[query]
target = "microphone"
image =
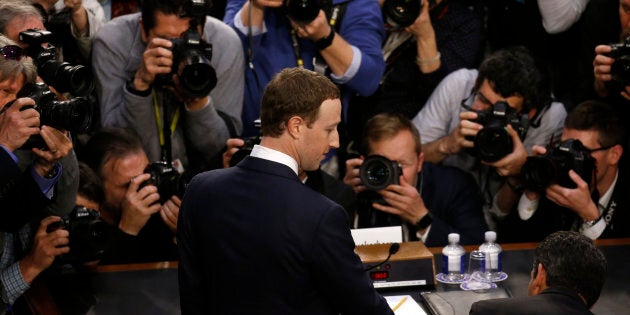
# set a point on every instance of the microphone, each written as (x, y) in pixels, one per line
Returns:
(393, 249)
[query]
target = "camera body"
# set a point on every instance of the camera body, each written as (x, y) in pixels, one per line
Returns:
(539, 172)
(64, 77)
(620, 69)
(191, 63)
(493, 142)
(401, 13)
(305, 11)
(74, 115)
(245, 150)
(168, 181)
(89, 235)
(378, 172)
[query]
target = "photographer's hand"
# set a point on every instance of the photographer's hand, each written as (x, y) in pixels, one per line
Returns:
(138, 205)
(231, 146)
(170, 211)
(403, 200)
(46, 246)
(577, 199)
(253, 11)
(512, 163)
(352, 178)
(59, 146)
(156, 59)
(426, 44)
(17, 125)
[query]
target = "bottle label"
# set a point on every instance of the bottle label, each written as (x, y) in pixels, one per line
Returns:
(493, 262)
(453, 264)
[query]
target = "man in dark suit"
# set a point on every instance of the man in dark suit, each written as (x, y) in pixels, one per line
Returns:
(254, 239)
(429, 202)
(567, 278)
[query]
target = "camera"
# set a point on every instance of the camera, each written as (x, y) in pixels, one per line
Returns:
(378, 172)
(191, 57)
(64, 77)
(401, 13)
(493, 142)
(539, 172)
(620, 69)
(305, 11)
(247, 148)
(74, 115)
(168, 181)
(89, 235)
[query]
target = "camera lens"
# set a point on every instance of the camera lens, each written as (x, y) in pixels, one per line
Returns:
(74, 115)
(493, 143)
(77, 80)
(538, 173)
(620, 69)
(401, 13)
(303, 11)
(197, 76)
(377, 172)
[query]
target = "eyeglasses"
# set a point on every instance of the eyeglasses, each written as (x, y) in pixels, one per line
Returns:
(591, 151)
(12, 52)
(471, 99)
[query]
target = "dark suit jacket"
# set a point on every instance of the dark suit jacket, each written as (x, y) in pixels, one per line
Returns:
(553, 301)
(20, 196)
(254, 240)
(452, 197)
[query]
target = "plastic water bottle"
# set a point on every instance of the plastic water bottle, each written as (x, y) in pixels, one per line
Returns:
(493, 257)
(453, 259)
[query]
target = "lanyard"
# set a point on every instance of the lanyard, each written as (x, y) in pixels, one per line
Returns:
(158, 120)
(297, 53)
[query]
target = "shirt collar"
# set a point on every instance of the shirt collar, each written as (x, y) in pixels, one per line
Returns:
(276, 156)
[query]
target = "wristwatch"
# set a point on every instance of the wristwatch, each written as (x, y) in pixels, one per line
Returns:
(425, 221)
(590, 223)
(323, 43)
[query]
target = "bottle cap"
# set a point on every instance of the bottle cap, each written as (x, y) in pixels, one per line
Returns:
(453, 238)
(491, 236)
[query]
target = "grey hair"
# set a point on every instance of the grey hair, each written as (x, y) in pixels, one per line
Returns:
(13, 68)
(12, 9)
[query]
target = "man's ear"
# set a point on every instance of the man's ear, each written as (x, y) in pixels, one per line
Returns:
(614, 154)
(295, 126)
(540, 281)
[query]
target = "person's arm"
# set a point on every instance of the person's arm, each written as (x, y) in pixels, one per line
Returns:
(226, 97)
(87, 17)
(560, 15)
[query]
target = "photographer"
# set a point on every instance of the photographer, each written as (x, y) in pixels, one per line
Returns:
(425, 41)
(140, 85)
(449, 127)
(74, 22)
(596, 208)
(145, 227)
(347, 44)
(429, 201)
(31, 183)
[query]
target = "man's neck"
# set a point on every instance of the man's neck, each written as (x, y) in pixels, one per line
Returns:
(604, 184)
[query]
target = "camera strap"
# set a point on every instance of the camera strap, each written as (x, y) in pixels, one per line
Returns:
(158, 121)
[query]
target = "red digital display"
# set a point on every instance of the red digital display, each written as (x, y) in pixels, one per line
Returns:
(379, 275)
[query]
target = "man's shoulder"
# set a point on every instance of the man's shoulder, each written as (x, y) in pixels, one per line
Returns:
(121, 29)
(217, 30)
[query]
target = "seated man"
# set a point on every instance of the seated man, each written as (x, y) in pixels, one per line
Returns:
(130, 205)
(567, 278)
(430, 201)
(143, 84)
(596, 208)
(452, 119)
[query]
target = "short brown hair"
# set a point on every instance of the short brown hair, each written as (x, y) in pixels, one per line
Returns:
(294, 92)
(385, 126)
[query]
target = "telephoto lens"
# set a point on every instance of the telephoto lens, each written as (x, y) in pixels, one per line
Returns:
(378, 172)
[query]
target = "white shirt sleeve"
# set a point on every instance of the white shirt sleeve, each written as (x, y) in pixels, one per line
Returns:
(560, 15)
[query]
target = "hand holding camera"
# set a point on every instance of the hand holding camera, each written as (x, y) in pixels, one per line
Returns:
(612, 62)
(59, 146)
(46, 246)
(139, 204)
(512, 163)
(156, 59)
(18, 122)
(170, 212)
